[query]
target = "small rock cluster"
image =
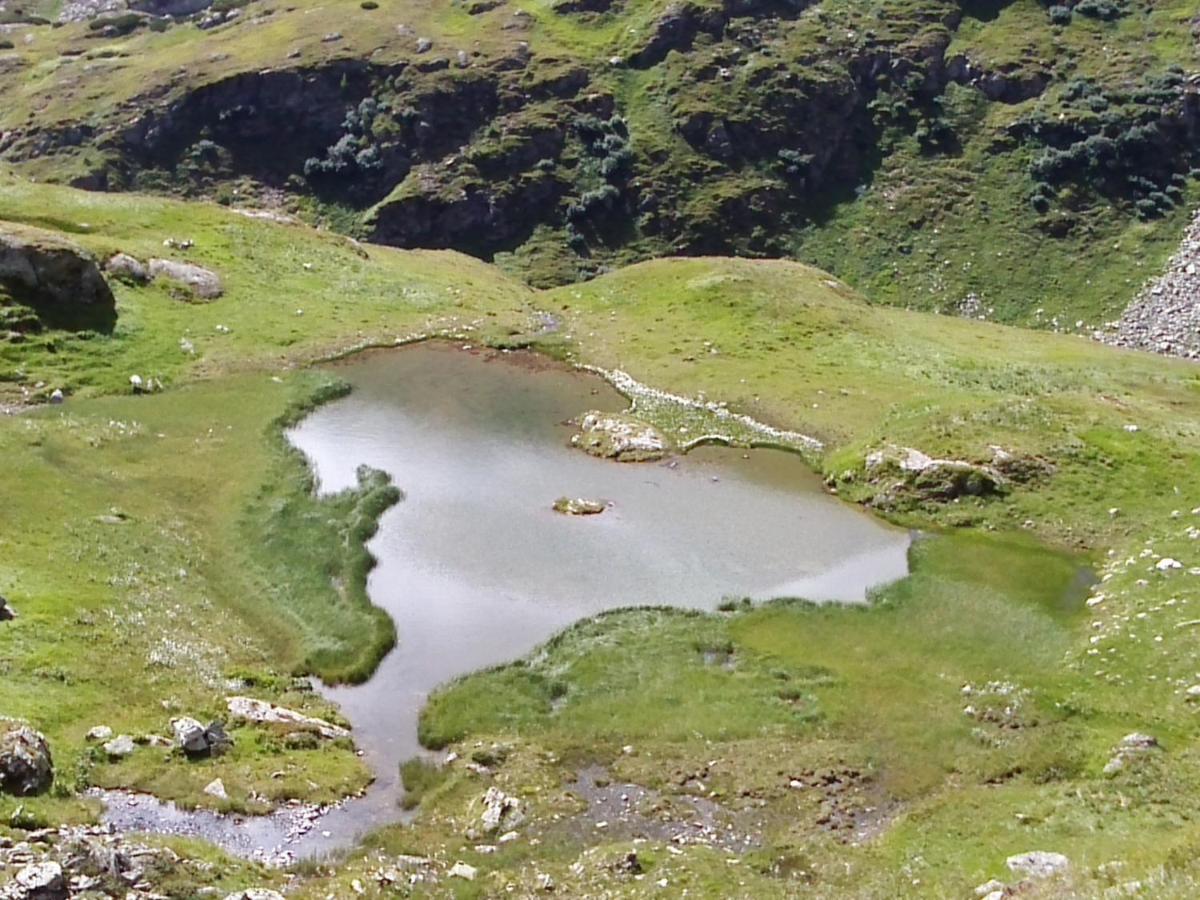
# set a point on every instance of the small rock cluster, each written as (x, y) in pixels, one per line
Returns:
(618, 437)
(56, 864)
(1033, 866)
(998, 703)
(1131, 748)
(579, 506)
(1165, 315)
(500, 810)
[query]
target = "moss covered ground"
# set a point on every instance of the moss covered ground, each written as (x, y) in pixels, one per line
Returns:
(163, 549)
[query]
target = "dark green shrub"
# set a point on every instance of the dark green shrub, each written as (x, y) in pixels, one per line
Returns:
(1060, 15)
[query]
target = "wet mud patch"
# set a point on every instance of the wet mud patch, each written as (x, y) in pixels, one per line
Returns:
(624, 811)
(851, 806)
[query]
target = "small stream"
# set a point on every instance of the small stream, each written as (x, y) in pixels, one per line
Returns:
(476, 569)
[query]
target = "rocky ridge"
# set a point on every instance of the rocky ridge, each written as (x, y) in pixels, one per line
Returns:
(95, 862)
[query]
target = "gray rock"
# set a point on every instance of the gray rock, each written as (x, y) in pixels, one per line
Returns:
(264, 713)
(256, 894)
(42, 881)
(26, 767)
(216, 788)
(500, 809)
(462, 870)
(100, 733)
(1131, 747)
(1038, 864)
(174, 8)
(190, 736)
(7, 613)
(58, 279)
(921, 475)
(216, 737)
(127, 268)
(120, 747)
(200, 282)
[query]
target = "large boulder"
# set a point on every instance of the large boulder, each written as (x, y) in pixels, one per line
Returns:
(41, 881)
(196, 740)
(26, 767)
(56, 279)
(200, 283)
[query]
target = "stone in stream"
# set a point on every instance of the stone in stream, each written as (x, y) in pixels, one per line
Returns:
(619, 437)
(26, 767)
(578, 506)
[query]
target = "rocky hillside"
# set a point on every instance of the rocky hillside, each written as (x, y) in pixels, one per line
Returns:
(1013, 160)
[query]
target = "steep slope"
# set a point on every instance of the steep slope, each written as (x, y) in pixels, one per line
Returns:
(1025, 163)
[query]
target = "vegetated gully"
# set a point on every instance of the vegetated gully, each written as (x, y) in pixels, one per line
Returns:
(477, 569)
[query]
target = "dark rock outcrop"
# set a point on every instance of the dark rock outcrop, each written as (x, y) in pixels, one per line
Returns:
(478, 216)
(26, 767)
(58, 281)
